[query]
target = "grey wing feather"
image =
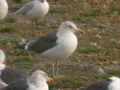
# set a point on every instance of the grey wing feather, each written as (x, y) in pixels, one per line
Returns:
(18, 85)
(44, 43)
(25, 9)
(9, 75)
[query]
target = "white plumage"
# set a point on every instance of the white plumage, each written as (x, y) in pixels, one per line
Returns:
(115, 84)
(38, 81)
(3, 9)
(66, 43)
(35, 9)
(58, 45)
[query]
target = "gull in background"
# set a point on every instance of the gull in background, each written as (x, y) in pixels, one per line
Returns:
(34, 10)
(3, 9)
(8, 74)
(37, 81)
(56, 45)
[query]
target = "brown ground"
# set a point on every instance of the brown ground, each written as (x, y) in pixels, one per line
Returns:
(99, 46)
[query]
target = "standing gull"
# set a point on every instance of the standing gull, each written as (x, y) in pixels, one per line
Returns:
(34, 10)
(8, 74)
(56, 45)
(37, 81)
(112, 83)
(3, 9)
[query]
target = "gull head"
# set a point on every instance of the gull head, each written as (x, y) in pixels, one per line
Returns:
(68, 26)
(2, 57)
(38, 77)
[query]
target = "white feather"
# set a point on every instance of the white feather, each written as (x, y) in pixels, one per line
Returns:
(115, 84)
(3, 9)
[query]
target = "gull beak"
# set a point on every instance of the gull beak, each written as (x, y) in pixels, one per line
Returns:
(50, 80)
(81, 31)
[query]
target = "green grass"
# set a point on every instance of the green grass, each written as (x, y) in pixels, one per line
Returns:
(112, 10)
(19, 52)
(23, 60)
(114, 72)
(89, 50)
(18, 1)
(52, 11)
(7, 30)
(88, 16)
(11, 20)
(110, 45)
(101, 76)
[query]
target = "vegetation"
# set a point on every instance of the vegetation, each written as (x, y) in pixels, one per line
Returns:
(98, 46)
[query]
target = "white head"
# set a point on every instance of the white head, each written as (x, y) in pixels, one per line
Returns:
(38, 78)
(68, 26)
(2, 57)
(115, 84)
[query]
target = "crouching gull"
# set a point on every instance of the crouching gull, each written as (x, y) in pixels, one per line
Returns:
(56, 45)
(3, 9)
(37, 81)
(8, 74)
(112, 83)
(34, 10)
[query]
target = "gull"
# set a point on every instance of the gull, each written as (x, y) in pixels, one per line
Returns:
(56, 45)
(37, 81)
(8, 74)
(3, 9)
(34, 10)
(112, 83)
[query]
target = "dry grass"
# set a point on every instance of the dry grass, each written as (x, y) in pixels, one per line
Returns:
(100, 44)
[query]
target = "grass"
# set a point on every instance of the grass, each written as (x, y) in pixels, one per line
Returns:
(7, 30)
(10, 20)
(52, 11)
(23, 60)
(18, 1)
(89, 50)
(77, 11)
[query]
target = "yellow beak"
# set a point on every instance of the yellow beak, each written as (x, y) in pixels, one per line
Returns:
(81, 31)
(50, 80)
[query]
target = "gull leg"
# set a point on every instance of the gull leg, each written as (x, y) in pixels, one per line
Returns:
(57, 67)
